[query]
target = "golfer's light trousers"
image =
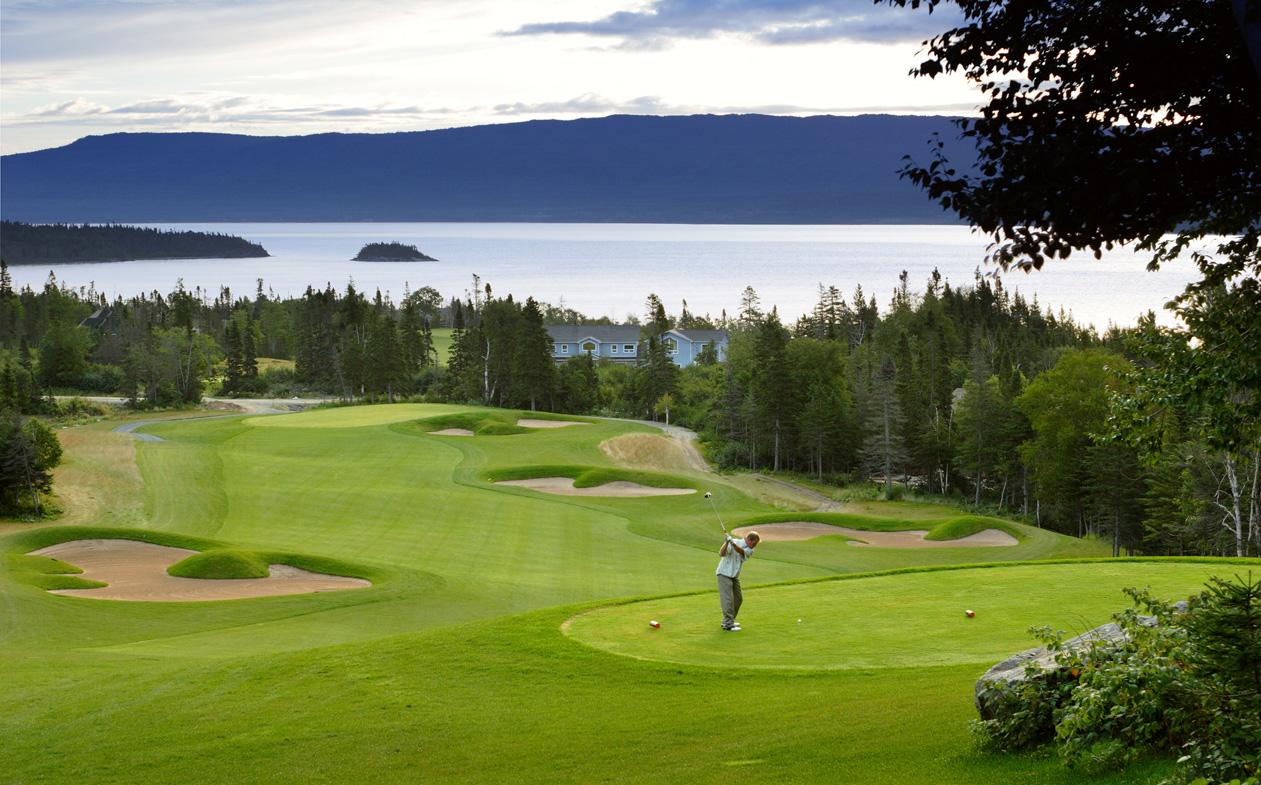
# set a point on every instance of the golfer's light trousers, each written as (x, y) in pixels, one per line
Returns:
(730, 596)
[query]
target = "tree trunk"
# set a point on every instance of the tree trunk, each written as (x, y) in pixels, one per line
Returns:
(1235, 513)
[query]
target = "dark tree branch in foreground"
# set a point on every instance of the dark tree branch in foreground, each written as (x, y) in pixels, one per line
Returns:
(1105, 123)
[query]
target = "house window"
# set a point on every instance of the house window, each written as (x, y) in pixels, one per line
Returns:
(615, 348)
(564, 348)
(672, 346)
(629, 348)
(588, 347)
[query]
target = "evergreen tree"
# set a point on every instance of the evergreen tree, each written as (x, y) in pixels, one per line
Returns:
(534, 371)
(883, 451)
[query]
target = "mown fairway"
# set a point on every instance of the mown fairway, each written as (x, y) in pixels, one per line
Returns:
(454, 667)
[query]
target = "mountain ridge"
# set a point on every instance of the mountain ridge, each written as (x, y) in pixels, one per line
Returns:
(620, 168)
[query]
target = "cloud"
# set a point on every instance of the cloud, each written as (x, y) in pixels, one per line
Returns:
(200, 110)
(39, 31)
(776, 22)
(209, 109)
(594, 104)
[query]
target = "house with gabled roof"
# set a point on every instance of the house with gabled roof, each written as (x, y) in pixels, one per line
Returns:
(620, 343)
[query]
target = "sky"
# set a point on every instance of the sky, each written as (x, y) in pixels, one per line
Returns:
(73, 68)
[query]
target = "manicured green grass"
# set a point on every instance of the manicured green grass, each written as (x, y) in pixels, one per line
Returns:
(890, 621)
(442, 344)
(452, 666)
(221, 564)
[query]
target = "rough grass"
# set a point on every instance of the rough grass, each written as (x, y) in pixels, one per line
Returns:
(646, 451)
(221, 564)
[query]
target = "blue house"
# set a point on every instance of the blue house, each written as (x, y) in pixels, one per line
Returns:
(620, 343)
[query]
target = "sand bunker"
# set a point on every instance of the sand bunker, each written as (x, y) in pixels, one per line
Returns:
(452, 432)
(808, 530)
(526, 422)
(137, 571)
(564, 486)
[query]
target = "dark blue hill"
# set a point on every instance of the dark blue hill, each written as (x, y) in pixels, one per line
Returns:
(699, 169)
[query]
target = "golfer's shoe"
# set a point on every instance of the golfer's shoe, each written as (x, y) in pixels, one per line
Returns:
(734, 628)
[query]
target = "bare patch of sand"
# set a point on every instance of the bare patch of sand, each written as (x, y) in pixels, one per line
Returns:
(650, 451)
(137, 571)
(807, 530)
(564, 486)
(526, 422)
(452, 432)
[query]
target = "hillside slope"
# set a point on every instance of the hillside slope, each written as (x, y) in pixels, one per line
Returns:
(698, 169)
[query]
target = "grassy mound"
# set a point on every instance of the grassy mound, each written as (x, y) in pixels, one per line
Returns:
(967, 525)
(590, 476)
(221, 564)
(47, 573)
(480, 423)
(948, 529)
(491, 422)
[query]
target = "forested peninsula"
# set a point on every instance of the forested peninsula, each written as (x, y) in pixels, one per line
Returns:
(391, 252)
(23, 243)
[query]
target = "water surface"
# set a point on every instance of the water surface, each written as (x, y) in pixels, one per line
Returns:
(609, 269)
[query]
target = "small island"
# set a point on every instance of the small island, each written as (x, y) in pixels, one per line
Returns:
(391, 252)
(24, 243)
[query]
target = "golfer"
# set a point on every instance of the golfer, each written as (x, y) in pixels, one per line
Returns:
(734, 553)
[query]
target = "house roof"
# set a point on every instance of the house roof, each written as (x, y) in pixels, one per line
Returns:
(604, 333)
(702, 335)
(622, 333)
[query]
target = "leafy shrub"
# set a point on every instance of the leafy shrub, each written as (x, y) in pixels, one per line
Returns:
(79, 408)
(1180, 678)
(99, 379)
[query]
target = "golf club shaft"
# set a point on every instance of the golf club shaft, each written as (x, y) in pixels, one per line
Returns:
(714, 507)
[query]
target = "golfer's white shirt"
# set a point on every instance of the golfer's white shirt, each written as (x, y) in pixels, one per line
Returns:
(730, 564)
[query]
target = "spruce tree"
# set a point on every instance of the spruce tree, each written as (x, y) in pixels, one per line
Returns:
(883, 450)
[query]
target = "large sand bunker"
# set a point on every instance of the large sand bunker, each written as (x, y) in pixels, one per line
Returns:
(526, 422)
(136, 570)
(564, 486)
(808, 530)
(452, 432)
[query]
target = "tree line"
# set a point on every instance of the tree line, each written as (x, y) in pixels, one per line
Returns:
(23, 243)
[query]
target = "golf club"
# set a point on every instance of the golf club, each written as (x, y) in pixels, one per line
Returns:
(710, 496)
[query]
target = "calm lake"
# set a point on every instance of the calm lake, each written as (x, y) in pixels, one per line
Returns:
(609, 269)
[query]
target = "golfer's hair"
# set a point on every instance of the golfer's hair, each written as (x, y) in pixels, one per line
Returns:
(753, 536)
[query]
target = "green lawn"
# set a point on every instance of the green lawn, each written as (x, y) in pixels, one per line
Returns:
(442, 343)
(453, 667)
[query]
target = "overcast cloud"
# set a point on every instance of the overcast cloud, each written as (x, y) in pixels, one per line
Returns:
(69, 68)
(765, 21)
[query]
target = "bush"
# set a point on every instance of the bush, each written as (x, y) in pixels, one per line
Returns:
(99, 379)
(78, 408)
(1186, 679)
